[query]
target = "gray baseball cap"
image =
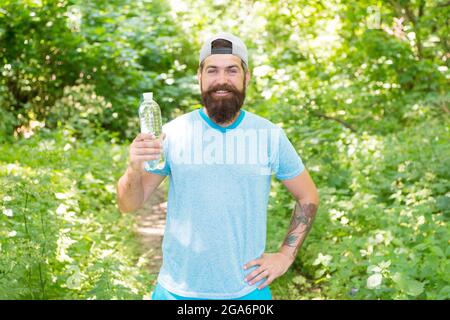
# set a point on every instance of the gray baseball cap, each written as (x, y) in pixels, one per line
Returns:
(238, 47)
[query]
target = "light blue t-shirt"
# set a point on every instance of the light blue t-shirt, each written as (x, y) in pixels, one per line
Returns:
(218, 194)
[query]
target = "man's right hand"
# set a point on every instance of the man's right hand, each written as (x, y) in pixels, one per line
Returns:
(145, 147)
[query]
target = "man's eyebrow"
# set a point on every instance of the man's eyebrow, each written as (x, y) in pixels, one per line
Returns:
(227, 67)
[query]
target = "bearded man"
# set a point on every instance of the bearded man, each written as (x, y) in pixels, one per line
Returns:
(219, 160)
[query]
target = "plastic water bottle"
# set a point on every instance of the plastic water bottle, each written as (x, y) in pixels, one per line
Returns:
(150, 120)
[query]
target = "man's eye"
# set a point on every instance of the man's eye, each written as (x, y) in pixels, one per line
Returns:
(210, 71)
(233, 71)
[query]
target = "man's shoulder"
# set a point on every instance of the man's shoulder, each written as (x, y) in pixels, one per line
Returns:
(181, 119)
(259, 121)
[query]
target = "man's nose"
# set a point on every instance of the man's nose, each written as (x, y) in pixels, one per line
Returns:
(222, 77)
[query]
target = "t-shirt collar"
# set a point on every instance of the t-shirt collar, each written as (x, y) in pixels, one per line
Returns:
(220, 128)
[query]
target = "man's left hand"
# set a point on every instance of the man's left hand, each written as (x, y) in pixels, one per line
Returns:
(271, 266)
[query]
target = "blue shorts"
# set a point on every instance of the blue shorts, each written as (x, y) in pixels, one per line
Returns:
(162, 294)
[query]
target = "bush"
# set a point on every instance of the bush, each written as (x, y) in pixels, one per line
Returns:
(80, 110)
(61, 235)
(384, 236)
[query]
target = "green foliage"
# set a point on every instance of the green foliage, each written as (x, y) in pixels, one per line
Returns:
(62, 236)
(383, 234)
(119, 48)
(361, 89)
(80, 111)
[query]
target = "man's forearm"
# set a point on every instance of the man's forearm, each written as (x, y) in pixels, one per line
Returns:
(130, 192)
(301, 222)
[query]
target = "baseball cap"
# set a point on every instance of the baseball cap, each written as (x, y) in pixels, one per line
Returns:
(238, 47)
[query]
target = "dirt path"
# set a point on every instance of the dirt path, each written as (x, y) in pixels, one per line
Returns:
(151, 222)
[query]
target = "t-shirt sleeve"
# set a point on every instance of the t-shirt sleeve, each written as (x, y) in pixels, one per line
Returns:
(165, 171)
(285, 161)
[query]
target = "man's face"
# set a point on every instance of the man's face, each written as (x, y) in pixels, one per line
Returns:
(222, 84)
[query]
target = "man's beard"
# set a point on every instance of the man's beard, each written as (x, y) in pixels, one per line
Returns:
(223, 109)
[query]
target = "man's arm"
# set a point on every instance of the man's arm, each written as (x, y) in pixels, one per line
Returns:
(136, 185)
(303, 189)
(134, 188)
(274, 265)
(301, 222)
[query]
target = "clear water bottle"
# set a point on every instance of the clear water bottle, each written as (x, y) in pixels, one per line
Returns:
(150, 120)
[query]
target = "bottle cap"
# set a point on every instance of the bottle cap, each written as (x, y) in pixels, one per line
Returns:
(148, 95)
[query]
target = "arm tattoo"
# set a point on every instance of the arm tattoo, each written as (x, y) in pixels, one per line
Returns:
(301, 222)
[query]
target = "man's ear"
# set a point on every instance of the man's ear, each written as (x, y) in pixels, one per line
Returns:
(247, 78)
(199, 76)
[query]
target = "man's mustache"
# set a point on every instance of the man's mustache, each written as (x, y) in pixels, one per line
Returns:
(222, 87)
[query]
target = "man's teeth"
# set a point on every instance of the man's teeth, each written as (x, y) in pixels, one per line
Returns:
(221, 91)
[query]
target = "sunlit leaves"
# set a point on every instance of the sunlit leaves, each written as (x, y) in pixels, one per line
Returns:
(409, 286)
(60, 231)
(374, 281)
(395, 208)
(365, 110)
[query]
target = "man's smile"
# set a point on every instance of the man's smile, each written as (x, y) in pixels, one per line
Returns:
(221, 93)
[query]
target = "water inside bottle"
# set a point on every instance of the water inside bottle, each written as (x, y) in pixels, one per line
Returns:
(151, 122)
